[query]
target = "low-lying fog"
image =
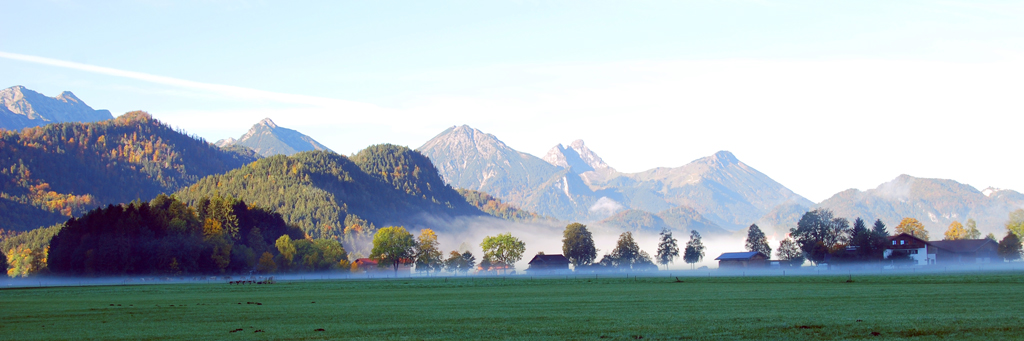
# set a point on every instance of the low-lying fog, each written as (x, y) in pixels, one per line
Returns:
(547, 237)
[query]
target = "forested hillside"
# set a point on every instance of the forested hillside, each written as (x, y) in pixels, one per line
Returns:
(331, 196)
(53, 172)
(495, 207)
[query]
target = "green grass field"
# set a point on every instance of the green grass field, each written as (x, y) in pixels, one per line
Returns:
(968, 306)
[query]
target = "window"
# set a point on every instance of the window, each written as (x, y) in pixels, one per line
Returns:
(913, 252)
(894, 242)
(903, 242)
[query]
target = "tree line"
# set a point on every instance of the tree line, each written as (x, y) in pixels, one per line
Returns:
(219, 235)
(822, 237)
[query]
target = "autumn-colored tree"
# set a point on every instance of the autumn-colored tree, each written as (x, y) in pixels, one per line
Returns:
(1016, 223)
(956, 231)
(266, 264)
(428, 255)
(220, 243)
(912, 227)
(503, 248)
(23, 261)
(972, 229)
(393, 246)
(286, 248)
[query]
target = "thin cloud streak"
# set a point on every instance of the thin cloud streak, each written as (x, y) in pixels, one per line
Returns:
(227, 90)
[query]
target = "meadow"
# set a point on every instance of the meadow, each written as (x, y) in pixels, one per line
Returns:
(932, 306)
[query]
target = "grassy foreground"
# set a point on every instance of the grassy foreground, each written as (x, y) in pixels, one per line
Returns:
(971, 306)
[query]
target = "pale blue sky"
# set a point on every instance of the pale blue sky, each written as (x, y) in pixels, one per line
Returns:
(871, 88)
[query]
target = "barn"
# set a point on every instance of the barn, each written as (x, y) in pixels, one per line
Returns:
(543, 262)
(965, 251)
(752, 259)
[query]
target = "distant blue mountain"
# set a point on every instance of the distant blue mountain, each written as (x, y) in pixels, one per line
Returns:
(23, 108)
(268, 139)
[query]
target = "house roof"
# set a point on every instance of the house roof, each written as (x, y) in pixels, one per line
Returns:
(549, 259)
(739, 255)
(907, 235)
(961, 246)
(366, 261)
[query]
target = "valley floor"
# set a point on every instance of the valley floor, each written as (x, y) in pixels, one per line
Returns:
(931, 306)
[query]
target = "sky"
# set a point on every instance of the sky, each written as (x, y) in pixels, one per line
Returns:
(820, 96)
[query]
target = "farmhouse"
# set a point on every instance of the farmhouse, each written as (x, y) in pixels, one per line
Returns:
(965, 251)
(742, 260)
(923, 252)
(543, 262)
(917, 249)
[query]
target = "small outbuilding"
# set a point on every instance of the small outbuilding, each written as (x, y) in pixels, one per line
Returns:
(751, 259)
(549, 263)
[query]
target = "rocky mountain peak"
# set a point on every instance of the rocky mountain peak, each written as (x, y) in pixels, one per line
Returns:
(69, 97)
(268, 123)
(725, 157)
(267, 138)
(577, 156)
(466, 140)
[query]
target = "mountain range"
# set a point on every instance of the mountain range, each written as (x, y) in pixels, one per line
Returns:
(268, 139)
(573, 183)
(717, 194)
(137, 157)
(934, 202)
(23, 108)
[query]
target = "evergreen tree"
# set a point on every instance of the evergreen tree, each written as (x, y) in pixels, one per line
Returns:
(757, 241)
(860, 237)
(879, 238)
(668, 248)
(694, 251)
